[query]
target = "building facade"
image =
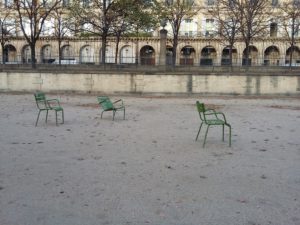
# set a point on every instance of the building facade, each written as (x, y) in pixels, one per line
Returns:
(198, 46)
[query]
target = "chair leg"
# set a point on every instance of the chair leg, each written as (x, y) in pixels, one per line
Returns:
(37, 118)
(114, 112)
(63, 118)
(199, 131)
(56, 117)
(223, 132)
(124, 114)
(229, 135)
(46, 116)
(101, 114)
(205, 136)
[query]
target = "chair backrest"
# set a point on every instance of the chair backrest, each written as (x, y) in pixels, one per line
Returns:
(201, 110)
(40, 99)
(105, 102)
(40, 96)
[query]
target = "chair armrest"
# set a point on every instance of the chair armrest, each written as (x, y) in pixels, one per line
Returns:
(222, 114)
(53, 101)
(210, 110)
(213, 112)
(120, 100)
(42, 104)
(211, 115)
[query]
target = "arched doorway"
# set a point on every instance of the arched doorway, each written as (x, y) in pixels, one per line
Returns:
(127, 55)
(147, 55)
(208, 56)
(109, 54)
(253, 56)
(26, 54)
(271, 56)
(226, 61)
(169, 55)
(46, 54)
(187, 55)
(87, 55)
(294, 54)
(10, 54)
(67, 55)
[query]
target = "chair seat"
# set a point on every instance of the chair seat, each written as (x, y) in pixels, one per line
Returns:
(215, 122)
(119, 108)
(115, 108)
(57, 108)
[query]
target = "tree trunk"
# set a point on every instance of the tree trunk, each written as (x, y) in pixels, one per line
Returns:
(59, 51)
(137, 48)
(174, 50)
(291, 55)
(117, 48)
(33, 61)
(3, 55)
(247, 55)
(230, 56)
(103, 53)
(292, 42)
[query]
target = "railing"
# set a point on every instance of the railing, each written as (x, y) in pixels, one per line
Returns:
(146, 69)
(181, 61)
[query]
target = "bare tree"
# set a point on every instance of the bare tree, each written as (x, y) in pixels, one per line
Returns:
(145, 17)
(104, 18)
(95, 17)
(131, 16)
(7, 29)
(122, 21)
(174, 12)
(290, 20)
(62, 27)
(254, 18)
(118, 29)
(32, 15)
(226, 14)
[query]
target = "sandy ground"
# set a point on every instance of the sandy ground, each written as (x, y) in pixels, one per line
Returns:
(148, 168)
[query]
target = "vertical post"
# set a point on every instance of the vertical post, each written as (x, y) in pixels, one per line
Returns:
(137, 51)
(163, 47)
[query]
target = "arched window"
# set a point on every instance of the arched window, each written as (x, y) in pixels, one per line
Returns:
(274, 3)
(273, 29)
(187, 55)
(208, 56)
(271, 56)
(147, 55)
(229, 56)
(8, 3)
(252, 57)
(210, 2)
(127, 54)
(10, 54)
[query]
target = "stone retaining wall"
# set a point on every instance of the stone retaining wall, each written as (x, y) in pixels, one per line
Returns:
(160, 84)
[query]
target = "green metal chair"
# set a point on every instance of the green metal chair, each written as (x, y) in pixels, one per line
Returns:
(45, 104)
(107, 105)
(210, 117)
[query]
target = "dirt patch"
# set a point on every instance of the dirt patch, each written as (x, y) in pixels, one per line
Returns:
(88, 105)
(285, 107)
